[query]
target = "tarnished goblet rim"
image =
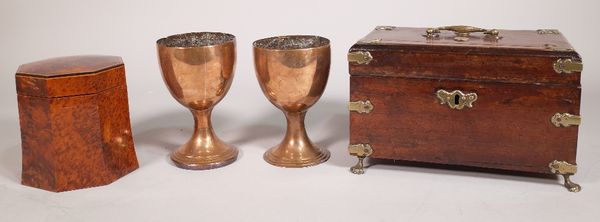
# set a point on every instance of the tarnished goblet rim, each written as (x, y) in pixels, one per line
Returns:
(196, 40)
(291, 43)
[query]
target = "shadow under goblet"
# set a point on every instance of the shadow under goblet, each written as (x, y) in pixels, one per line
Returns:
(292, 72)
(198, 69)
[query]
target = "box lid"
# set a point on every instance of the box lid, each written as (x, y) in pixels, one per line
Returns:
(463, 52)
(70, 76)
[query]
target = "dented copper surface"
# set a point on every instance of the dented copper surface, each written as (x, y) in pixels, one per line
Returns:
(198, 69)
(292, 72)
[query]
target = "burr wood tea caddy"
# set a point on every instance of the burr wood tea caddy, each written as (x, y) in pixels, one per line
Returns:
(463, 95)
(74, 117)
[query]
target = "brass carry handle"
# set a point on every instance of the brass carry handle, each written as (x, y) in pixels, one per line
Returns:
(462, 32)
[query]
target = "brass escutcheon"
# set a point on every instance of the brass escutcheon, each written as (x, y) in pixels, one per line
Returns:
(456, 99)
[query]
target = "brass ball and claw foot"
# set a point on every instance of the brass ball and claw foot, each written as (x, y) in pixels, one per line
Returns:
(566, 170)
(573, 187)
(359, 167)
(361, 151)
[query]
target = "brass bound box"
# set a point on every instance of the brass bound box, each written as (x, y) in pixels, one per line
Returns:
(461, 95)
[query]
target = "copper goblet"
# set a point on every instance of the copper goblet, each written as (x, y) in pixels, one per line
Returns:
(292, 72)
(198, 70)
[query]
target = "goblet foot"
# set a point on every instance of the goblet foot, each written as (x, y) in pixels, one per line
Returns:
(296, 157)
(193, 157)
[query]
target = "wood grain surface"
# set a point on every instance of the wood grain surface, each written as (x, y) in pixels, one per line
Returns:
(75, 129)
(509, 126)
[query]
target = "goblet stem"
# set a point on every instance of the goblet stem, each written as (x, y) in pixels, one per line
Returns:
(203, 131)
(204, 150)
(295, 135)
(296, 149)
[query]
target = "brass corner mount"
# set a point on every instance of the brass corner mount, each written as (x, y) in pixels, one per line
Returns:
(360, 57)
(360, 106)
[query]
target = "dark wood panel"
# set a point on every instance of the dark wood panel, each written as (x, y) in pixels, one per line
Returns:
(508, 127)
(495, 68)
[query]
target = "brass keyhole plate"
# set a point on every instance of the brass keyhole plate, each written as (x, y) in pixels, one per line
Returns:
(456, 99)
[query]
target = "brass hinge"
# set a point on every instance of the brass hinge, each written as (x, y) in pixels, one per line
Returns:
(360, 106)
(385, 28)
(562, 167)
(565, 120)
(567, 66)
(555, 47)
(371, 41)
(548, 31)
(360, 149)
(360, 57)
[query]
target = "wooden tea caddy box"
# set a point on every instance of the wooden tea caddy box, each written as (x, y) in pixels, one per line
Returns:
(461, 95)
(74, 117)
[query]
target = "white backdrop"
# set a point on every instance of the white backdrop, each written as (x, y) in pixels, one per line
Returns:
(250, 189)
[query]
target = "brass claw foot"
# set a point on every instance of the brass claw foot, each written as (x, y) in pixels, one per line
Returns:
(359, 167)
(361, 151)
(573, 187)
(566, 170)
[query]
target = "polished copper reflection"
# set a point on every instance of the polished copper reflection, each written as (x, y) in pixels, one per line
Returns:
(198, 70)
(292, 72)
